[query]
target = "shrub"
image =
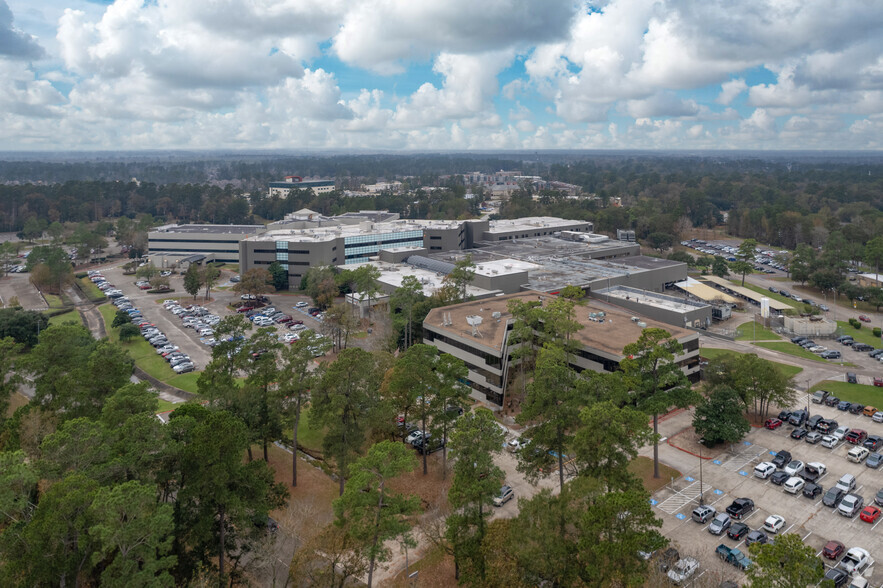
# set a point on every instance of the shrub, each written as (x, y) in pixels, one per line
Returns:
(877, 332)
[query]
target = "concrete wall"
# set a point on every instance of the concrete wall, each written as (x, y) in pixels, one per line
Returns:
(225, 246)
(700, 317)
(802, 326)
(509, 283)
(390, 256)
(442, 239)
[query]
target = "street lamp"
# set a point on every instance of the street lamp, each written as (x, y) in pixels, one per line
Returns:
(701, 492)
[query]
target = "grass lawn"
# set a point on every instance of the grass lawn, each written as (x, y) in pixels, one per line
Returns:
(91, 290)
(751, 331)
(68, 317)
(146, 358)
(186, 382)
(165, 405)
(768, 294)
(790, 370)
(308, 435)
(53, 301)
(863, 335)
(642, 467)
(861, 393)
(792, 349)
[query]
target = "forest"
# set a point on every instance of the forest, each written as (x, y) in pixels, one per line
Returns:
(776, 200)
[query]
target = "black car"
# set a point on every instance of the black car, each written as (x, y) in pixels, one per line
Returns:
(798, 340)
(738, 530)
(833, 496)
(755, 537)
(827, 425)
(813, 421)
(837, 576)
(856, 408)
(873, 442)
(811, 490)
(782, 459)
(784, 416)
(798, 433)
(862, 347)
(740, 507)
(844, 405)
(832, 401)
(779, 478)
(428, 446)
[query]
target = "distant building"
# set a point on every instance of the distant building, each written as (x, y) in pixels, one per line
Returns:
(477, 332)
(281, 189)
(346, 240)
(221, 242)
(873, 280)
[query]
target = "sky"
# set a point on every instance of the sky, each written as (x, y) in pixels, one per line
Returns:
(441, 74)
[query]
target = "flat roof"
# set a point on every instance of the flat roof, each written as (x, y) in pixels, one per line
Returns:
(496, 267)
(671, 303)
(707, 293)
(610, 336)
(223, 229)
(392, 274)
(366, 228)
(531, 223)
(750, 294)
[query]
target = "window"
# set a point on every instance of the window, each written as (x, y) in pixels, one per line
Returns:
(281, 244)
(281, 255)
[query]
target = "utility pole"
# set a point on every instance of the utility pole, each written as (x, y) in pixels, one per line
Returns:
(701, 489)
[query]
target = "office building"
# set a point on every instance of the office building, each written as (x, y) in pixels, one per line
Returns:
(281, 189)
(219, 242)
(477, 332)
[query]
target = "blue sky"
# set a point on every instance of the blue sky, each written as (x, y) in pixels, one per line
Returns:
(424, 74)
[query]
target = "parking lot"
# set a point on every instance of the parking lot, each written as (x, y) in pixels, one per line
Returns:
(189, 341)
(731, 476)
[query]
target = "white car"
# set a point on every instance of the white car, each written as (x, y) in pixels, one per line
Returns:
(764, 470)
(773, 524)
(829, 441)
(418, 434)
(683, 570)
(515, 445)
(794, 468)
(301, 305)
(840, 433)
(794, 485)
(857, 454)
(855, 560)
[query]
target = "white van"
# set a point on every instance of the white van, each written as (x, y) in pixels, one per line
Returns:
(857, 454)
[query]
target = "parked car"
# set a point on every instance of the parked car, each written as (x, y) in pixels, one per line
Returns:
(719, 524)
(811, 490)
(841, 432)
(857, 454)
(833, 496)
(873, 442)
(779, 478)
(740, 507)
(878, 382)
(851, 378)
(794, 485)
(831, 401)
(830, 354)
(874, 461)
(826, 425)
(833, 549)
(738, 530)
(757, 536)
(870, 514)
(764, 470)
(836, 578)
(856, 436)
(850, 505)
(798, 433)
(844, 405)
(846, 482)
(856, 408)
(733, 556)
(813, 471)
(819, 396)
(506, 494)
(864, 318)
(794, 468)
(703, 514)
(773, 424)
(782, 458)
(855, 560)
(813, 437)
(773, 524)
(797, 418)
(683, 570)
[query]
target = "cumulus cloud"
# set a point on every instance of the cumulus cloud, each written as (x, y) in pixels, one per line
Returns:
(384, 35)
(14, 43)
(300, 73)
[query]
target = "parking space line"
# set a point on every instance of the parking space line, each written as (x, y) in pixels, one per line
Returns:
(788, 529)
(877, 523)
(807, 535)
